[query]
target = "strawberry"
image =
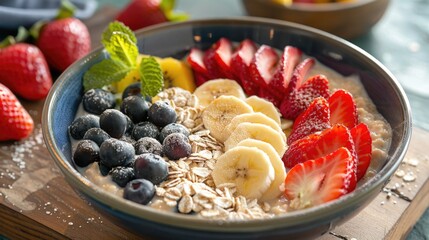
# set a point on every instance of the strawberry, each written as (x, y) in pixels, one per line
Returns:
(315, 118)
(222, 55)
(23, 69)
(343, 109)
(264, 65)
(240, 63)
(318, 145)
(15, 122)
(320, 180)
(213, 69)
(363, 145)
(268, 95)
(290, 59)
(195, 60)
(299, 74)
(299, 99)
(64, 39)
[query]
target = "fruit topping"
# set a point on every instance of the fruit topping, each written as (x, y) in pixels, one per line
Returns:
(240, 63)
(210, 90)
(148, 145)
(161, 114)
(122, 175)
(80, 125)
(320, 180)
(114, 152)
(113, 122)
(261, 105)
(222, 55)
(176, 74)
(173, 128)
(249, 168)
(315, 118)
(176, 146)
(290, 59)
(264, 65)
(196, 61)
(15, 122)
(145, 129)
(140, 191)
(342, 109)
(136, 108)
(97, 100)
(86, 153)
(151, 167)
(363, 145)
(97, 135)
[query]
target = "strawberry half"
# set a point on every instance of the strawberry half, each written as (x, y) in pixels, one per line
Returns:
(321, 144)
(213, 70)
(15, 122)
(264, 65)
(319, 181)
(343, 109)
(222, 56)
(299, 74)
(298, 100)
(195, 60)
(290, 59)
(240, 63)
(363, 145)
(315, 118)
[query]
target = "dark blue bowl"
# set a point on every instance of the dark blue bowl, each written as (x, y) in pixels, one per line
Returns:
(175, 40)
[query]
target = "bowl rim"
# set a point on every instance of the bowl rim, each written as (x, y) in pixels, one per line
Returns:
(291, 219)
(319, 7)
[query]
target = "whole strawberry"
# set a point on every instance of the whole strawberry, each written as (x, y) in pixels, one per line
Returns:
(64, 40)
(15, 122)
(23, 69)
(142, 13)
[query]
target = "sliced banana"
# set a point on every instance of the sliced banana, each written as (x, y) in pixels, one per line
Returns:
(256, 131)
(266, 107)
(279, 169)
(212, 89)
(249, 168)
(220, 112)
(254, 117)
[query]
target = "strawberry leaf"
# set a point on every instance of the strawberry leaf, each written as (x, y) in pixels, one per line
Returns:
(66, 10)
(104, 73)
(151, 77)
(167, 7)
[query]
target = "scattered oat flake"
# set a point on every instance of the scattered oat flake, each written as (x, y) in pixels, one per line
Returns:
(400, 173)
(409, 177)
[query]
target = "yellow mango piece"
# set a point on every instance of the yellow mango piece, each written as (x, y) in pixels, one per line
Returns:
(177, 74)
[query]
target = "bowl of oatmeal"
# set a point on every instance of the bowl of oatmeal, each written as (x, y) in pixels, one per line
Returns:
(233, 175)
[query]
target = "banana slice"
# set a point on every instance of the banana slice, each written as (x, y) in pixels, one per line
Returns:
(279, 169)
(249, 168)
(212, 89)
(256, 131)
(261, 105)
(255, 117)
(220, 112)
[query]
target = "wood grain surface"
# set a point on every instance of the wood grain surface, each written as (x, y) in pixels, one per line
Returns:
(37, 203)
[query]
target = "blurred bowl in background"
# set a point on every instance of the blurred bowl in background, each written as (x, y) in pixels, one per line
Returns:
(346, 20)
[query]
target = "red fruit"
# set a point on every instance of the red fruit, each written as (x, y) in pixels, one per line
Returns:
(268, 95)
(315, 118)
(15, 122)
(264, 65)
(213, 69)
(142, 13)
(319, 181)
(290, 59)
(240, 63)
(64, 41)
(222, 55)
(363, 145)
(343, 109)
(195, 60)
(23, 69)
(299, 100)
(299, 74)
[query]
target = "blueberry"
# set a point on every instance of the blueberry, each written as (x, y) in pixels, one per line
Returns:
(135, 107)
(86, 153)
(122, 175)
(148, 145)
(145, 129)
(97, 100)
(97, 135)
(151, 167)
(104, 170)
(130, 126)
(139, 191)
(161, 114)
(113, 122)
(81, 124)
(176, 146)
(134, 89)
(173, 128)
(114, 152)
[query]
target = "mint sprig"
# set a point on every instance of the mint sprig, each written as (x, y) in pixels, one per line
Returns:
(121, 44)
(151, 77)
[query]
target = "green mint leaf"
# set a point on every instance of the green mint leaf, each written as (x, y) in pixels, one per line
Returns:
(121, 43)
(151, 77)
(104, 73)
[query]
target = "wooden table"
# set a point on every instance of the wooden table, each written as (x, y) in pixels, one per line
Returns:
(36, 202)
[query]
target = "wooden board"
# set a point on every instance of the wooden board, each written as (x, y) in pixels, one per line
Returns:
(36, 202)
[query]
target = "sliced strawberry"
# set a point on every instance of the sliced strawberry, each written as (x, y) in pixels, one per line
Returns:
(268, 95)
(240, 63)
(319, 181)
(299, 74)
(264, 65)
(222, 55)
(298, 100)
(213, 70)
(195, 60)
(363, 145)
(290, 59)
(315, 118)
(343, 109)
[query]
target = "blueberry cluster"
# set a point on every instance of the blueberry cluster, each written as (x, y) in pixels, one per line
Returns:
(128, 144)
